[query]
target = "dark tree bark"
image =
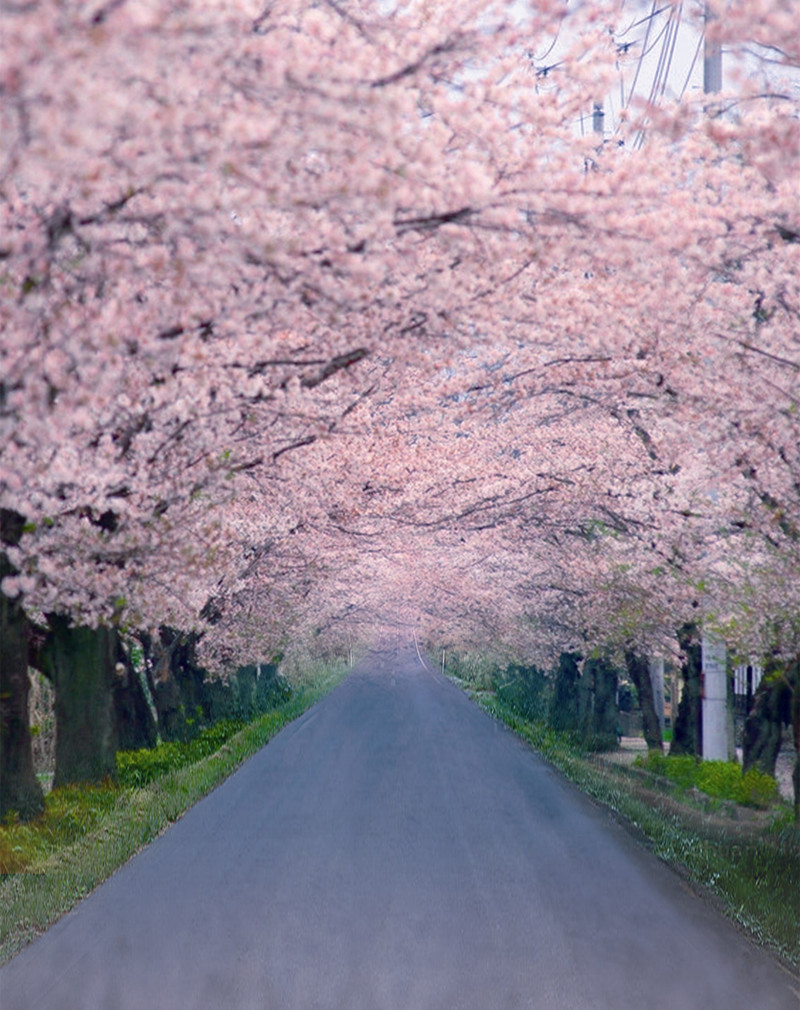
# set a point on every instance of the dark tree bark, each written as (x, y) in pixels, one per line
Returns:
(794, 682)
(19, 787)
(190, 678)
(638, 669)
(565, 705)
(81, 663)
(601, 714)
(687, 734)
(136, 727)
(164, 688)
(763, 727)
(178, 684)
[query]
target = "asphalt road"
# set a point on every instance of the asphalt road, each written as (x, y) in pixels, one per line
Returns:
(395, 848)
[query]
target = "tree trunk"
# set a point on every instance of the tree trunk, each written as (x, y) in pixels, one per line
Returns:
(763, 728)
(178, 685)
(81, 662)
(19, 787)
(191, 680)
(602, 716)
(136, 727)
(638, 668)
(687, 733)
(565, 706)
(164, 689)
(795, 683)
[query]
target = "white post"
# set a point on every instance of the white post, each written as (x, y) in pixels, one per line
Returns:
(657, 680)
(715, 699)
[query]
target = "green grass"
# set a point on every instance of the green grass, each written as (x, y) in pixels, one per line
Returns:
(86, 832)
(750, 866)
(74, 811)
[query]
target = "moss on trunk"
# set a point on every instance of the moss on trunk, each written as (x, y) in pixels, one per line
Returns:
(565, 706)
(81, 662)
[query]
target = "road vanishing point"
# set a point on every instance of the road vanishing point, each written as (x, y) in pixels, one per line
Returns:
(395, 849)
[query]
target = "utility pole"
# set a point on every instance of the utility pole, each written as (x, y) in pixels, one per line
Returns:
(712, 62)
(657, 681)
(598, 115)
(714, 654)
(716, 743)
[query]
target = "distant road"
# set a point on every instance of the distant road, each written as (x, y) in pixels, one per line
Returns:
(395, 849)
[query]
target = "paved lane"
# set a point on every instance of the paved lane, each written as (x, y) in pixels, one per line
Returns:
(394, 848)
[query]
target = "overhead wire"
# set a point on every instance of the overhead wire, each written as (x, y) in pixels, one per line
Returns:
(651, 16)
(641, 55)
(552, 45)
(664, 65)
(692, 65)
(676, 27)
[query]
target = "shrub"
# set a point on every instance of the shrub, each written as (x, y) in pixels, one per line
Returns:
(758, 789)
(721, 779)
(139, 767)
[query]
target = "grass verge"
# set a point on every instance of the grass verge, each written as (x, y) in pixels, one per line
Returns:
(91, 832)
(746, 859)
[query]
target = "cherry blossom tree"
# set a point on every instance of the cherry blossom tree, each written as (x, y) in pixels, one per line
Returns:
(321, 318)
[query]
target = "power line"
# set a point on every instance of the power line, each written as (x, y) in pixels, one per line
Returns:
(692, 65)
(641, 57)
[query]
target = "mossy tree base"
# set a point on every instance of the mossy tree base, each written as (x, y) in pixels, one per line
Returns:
(81, 662)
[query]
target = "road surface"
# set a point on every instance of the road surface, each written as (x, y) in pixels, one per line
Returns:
(395, 849)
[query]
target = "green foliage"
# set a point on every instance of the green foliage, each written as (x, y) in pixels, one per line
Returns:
(139, 767)
(246, 694)
(721, 779)
(552, 743)
(678, 769)
(474, 668)
(525, 690)
(69, 813)
(599, 743)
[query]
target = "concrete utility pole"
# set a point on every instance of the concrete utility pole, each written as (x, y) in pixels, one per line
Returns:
(714, 656)
(657, 680)
(715, 698)
(712, 63)
(598, 116)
